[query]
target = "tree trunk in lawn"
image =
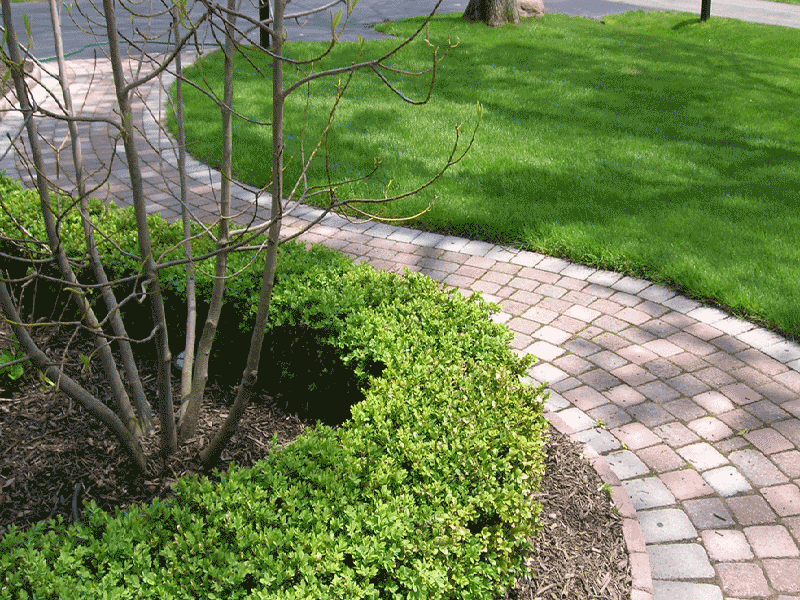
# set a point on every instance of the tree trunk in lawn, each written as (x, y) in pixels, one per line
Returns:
(494, 13)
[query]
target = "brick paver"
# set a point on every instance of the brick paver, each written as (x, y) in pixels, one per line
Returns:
(743, 579)
(725, 545)
(771, 541)
(694, 413)
(751, 510)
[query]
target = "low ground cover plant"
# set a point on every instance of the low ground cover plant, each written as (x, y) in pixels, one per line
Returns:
(646, 143)
(427, 491)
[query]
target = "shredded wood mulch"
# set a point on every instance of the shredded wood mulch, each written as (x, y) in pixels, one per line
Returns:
(49, 445)
(580, 552)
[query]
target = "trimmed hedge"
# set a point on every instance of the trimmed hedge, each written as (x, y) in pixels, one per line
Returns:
(426, 492)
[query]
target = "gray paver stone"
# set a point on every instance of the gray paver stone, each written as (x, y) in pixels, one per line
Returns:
(578, 272)
(757, 467)
(679, 561)
(499, 254)
(379, 230)
(649, 492)
(650, 414)
(656, 293)
(362, 227)
(599, 440)
(547, 373)
(709, 513)
(610, 415)
(760, 338)
(426, 239)
(556, 401)
(477, 248)
(577, 419)
(527, 259)
(707, 315)
(666, 525)
(767, 411)
(681, 304)
(673, 590)
(604, 277)
(452, 244)
(790, 429)
(632, 285)
(733, 326)
(626, 464)
(727, 481)
(784, 351)
(552, 264)
(404, 235)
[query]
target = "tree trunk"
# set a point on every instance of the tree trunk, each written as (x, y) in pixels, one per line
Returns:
(117, 388)
(493, 13)
(194, 399)
(187, 372)
(210, 455)
(131, 370)
(169, 441)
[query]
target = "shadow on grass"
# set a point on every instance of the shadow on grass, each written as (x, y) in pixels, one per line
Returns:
(612, 145)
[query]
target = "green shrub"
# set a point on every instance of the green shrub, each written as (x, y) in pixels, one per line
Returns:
(426, 492)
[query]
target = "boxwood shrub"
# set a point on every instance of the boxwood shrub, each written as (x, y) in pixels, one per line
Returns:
(427, 492)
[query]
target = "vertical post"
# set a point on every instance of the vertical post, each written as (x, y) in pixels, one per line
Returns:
(263, 15)
(705, 10)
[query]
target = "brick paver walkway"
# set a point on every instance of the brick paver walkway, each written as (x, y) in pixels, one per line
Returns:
(693, 415)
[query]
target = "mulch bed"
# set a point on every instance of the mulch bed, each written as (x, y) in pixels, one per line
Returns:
(49, 444)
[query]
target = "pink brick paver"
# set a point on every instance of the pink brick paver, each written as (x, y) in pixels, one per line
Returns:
(724, 545)
(788, 462)
(743, 579)
(768, 441)
(771, 541)
(702, 456)
(635, 436)
(784, 499)
(710, 428)
(782, 573)
(686, 484)
(686, 396)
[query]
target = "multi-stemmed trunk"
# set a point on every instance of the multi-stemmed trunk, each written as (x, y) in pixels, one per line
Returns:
(128, 427)
(150, 269)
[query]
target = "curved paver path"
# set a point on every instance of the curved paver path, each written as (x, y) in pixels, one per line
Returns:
(692, 415)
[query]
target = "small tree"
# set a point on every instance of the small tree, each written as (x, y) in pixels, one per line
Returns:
(494, 13)
(129, 415)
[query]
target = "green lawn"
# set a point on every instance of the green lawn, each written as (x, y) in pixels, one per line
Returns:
(649, 143)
